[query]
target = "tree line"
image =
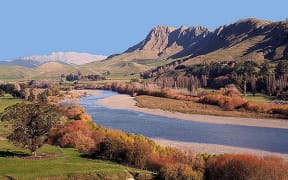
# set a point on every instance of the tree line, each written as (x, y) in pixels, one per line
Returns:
(76, 77)
(248, 76)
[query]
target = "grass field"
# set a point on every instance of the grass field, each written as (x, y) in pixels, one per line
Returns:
(8, 100)
(67, 163)
(259, 98)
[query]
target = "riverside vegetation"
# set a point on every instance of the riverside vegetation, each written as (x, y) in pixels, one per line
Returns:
(64, 163)
(227, 101)
(92, 141)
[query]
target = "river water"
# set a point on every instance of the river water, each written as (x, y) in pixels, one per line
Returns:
(153, 126)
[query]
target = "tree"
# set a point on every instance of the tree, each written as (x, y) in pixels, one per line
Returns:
(32, 95)
(265, 69)
(253, 84)
(193, 85)
(245, 84)
(30, 124)
(281, 68)
(62, 78)
(42, 97)
(271, 84)
(2, 93)
(204, 80)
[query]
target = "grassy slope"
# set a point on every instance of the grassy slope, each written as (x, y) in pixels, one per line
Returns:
(67, 162)
(7, 100)
(235, 52)
(118, 66)
(13, 72)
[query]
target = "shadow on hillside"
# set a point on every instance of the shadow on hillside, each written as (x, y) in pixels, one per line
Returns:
(13, 153)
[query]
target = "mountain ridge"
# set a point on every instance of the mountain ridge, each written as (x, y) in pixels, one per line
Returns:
(198, 40)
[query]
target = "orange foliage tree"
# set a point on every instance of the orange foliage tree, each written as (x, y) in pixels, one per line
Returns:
(232, 166)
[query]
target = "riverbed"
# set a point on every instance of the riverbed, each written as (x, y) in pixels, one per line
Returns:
(202, 137)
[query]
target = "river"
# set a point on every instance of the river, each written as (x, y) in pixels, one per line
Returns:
(159, 127)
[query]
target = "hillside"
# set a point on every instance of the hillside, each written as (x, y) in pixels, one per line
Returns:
(245, 39)
(49, 70)
(251, 39)
(248, 38)
(14, 72)
(161, 43)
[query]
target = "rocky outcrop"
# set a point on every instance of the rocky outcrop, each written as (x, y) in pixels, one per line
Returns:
(164, 41)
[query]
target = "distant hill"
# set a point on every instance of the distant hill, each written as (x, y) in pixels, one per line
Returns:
(49, 70)
(69, 58)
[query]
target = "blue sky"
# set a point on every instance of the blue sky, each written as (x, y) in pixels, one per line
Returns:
(35, 27)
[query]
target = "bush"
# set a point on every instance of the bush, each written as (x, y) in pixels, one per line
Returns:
(226, 102)
(72, 112)
(179, 171)
(280, 109)
(232, 166)
(252, 106)
(76, 134)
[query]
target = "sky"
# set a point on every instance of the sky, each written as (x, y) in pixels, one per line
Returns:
(38, 27)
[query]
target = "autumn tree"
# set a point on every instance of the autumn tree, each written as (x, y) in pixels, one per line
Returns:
(245, 84)
(232, 166)
(32, 95)
(271, 84)
(193, 85)
(30, 124)
(204, 80)
(253, 84)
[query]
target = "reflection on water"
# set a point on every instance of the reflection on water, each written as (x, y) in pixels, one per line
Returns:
(268, 139)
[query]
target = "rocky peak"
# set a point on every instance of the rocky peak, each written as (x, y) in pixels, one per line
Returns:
(156, 40)
(162, 30)
(163, 37)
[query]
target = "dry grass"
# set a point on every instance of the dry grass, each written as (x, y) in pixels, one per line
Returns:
(195, 108)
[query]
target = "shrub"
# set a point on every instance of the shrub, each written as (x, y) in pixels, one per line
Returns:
(72, 112)
(280, 109)
(76, 134)
(226, 102)
(179, 171)
(232, 166)
(252, 106)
